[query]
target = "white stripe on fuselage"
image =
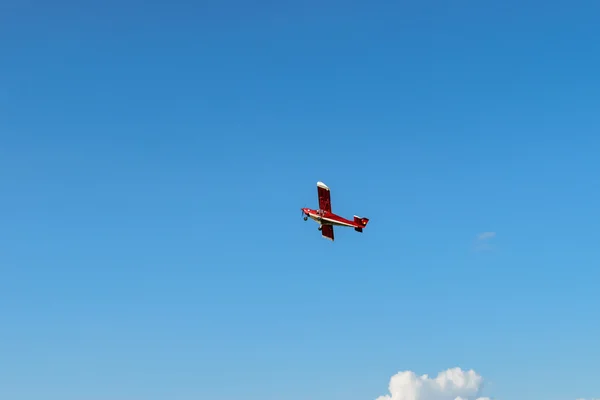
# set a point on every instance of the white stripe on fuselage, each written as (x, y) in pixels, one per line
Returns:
(328, 221)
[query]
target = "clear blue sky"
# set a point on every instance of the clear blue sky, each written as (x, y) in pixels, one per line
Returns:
(154, 159)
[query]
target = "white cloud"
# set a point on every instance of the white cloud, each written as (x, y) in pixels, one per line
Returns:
(452, 384)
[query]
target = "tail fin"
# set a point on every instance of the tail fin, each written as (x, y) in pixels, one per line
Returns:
(361, 221)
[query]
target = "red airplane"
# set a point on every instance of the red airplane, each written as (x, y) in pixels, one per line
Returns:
(326, 218)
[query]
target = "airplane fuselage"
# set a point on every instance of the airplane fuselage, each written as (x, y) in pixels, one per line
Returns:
(328, 218)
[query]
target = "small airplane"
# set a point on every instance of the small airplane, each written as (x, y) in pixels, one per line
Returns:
(326, 219)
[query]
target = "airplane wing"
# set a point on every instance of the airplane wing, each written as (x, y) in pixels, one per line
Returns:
(324, 197)
(327, 231)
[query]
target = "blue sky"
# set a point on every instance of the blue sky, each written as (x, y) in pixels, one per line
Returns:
(154, 159)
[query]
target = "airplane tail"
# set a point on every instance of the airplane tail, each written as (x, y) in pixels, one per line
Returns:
(362, 222)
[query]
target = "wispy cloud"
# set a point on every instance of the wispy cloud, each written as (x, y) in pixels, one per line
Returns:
(483, 241)
(486, 235)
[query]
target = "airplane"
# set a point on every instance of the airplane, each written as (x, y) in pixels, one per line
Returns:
(326, 219)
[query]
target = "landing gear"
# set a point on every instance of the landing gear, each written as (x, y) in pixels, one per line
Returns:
(320, 228)
(306, 218)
